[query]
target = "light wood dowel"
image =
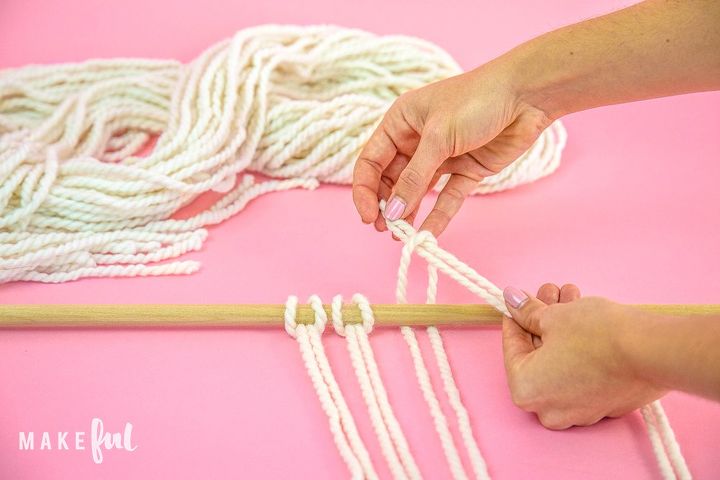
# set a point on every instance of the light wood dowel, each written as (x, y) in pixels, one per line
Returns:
(392, 315)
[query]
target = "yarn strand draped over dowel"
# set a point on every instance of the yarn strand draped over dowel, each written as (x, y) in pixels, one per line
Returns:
(671, 462)
(293, 103)
(394, 445)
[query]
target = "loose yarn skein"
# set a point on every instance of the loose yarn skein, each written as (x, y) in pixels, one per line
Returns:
(293, 103)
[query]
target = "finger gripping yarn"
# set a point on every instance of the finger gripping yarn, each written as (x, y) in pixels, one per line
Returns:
(665, 446)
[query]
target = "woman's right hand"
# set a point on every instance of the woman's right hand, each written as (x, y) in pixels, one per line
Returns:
(470, 126)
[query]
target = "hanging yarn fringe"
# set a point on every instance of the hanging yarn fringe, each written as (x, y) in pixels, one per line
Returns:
(394, 446)
(670, 460)
(293, 103)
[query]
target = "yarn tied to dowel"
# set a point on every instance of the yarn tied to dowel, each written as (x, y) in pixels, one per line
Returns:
(393, 443)
(296, 104)
(366, 314)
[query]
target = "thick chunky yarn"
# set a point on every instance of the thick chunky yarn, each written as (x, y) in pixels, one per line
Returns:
(296, 104)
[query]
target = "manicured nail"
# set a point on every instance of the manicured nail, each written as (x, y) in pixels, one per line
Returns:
(394, 209)
(514, 297)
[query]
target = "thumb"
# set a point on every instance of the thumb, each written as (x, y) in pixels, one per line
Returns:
(525, 309)
(414, 180)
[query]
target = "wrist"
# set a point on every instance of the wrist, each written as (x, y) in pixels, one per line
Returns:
(631, 333)
(504, 75)
(534, 81)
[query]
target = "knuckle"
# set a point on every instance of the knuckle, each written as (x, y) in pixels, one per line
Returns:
(400, 102)
(404, 98)
(454, 194)
(486, 160)
(536, 316)
(387, 181)
(533, 124)
(434, 130)
(403, 106)
(520, 401)
(552, 311)
(368, 158)
(551, 314)
(553, 420)
(494, 164)
(440, 137)
(588, 420)
(411, 179)
(529, 131)
(440, 216)
(548, 293)
(520, 393)
(571, 289)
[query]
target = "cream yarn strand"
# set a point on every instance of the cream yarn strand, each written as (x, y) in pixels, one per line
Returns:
(390, 436)
(451, 390)
(293, 103)
(342, 426)
(671, 462)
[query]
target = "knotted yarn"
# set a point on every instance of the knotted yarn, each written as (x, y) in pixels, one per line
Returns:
(671, 462)
(296, 104)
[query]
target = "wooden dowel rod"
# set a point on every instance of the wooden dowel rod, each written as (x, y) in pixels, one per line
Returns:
(392, 315)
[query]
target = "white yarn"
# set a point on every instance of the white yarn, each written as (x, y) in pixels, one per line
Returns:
(671, 462)
(289, 102)
(386, 426)
(439, 419)
(665, 446)
(670, 442)
(342, 426)
(295, 103)
(664, 464)
(463, 418)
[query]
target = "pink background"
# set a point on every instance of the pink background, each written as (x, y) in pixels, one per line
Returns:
(632, 214)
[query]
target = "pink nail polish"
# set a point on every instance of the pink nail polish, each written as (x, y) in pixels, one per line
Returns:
(514, 297)
(394, 209)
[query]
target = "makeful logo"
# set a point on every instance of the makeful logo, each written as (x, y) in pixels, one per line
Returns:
(100, 440)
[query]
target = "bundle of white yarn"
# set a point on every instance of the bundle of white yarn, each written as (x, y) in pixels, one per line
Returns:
(78, 199)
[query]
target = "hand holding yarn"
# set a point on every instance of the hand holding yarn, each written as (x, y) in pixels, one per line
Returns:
(466, 127)
(77, 198)
(563, 359)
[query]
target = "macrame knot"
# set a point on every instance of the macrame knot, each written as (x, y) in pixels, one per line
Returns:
(291, 324)
(291, 316)
(315, 303)
(320, 314)
(417, 239)
(366, 313)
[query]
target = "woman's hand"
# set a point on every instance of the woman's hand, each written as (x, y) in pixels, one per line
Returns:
(564, 359)
(475, 124)
(469, 126)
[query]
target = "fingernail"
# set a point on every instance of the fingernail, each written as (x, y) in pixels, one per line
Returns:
(514, 297)
(394, 209)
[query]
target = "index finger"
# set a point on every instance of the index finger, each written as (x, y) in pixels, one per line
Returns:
(517, 343)
(374, 158)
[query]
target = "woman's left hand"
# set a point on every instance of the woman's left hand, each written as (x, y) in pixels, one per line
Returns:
(563, 357)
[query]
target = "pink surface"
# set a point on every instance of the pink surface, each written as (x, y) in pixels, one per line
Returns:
(632, 214)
